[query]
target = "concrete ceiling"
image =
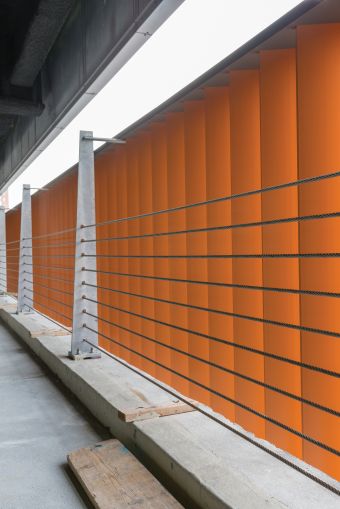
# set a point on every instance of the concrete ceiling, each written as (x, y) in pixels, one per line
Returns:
(28, 30)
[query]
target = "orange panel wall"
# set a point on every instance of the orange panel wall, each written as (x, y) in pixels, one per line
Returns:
(218, 183)
(195, 187)
(319, 152)
(54, 210)
(178, 267)
(245, 176)
(279, 165)
(12, 248)
(193, 308)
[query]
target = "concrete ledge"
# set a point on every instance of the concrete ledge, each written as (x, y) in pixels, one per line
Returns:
(215, 468)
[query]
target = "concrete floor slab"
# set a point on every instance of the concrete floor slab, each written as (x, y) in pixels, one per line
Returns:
(39, 425)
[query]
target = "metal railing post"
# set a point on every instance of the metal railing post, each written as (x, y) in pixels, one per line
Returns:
(86, 215)
(25, 252)
(3, 251)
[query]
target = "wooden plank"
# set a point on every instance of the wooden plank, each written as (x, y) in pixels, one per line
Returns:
(114, 479)
(150, 412)
(49, 332)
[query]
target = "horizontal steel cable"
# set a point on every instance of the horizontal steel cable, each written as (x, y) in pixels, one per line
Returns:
(220, 228)
(52, 234)
(49, 318)
(62, 244)
(43, 276)
(217, 284)
(48, 297)
(204, 412)
(51, 256)
(10, 250)
(221, 368)
(50, 288)
(9, 243)
(242, 317)
(220, 256)
(47, 267)
(221, 341)
(223, 396)
(219, 200)
(49, 308)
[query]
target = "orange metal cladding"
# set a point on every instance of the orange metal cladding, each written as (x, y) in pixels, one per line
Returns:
(218, 182)
(161, 247)
(249, 135)
(12, 248)
(133, 207)
(105, 169)
(122, 250)
(54, 211)
(246, 175)
(279, 165)
(178, 267)
(147, 306)
(196, 191)
(318, 49)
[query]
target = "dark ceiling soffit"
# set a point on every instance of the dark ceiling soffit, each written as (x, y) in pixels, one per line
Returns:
(41, 35)
(222, 66)
(20, 107)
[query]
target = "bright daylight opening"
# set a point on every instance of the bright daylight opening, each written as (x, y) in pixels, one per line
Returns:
(190, 42)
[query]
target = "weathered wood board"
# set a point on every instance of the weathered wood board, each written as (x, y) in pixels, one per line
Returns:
(114, 479)
(150, 412)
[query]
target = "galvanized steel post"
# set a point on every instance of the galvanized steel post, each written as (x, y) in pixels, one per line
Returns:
(25, 285)
(86, 215)
(3, 257)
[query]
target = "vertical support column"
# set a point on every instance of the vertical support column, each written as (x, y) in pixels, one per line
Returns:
(86, 214)
(25, 285)
(3, 251)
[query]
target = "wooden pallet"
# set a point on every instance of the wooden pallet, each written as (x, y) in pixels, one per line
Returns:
(114, 479)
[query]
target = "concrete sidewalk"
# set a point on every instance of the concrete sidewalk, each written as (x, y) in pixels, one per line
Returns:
(39, 425)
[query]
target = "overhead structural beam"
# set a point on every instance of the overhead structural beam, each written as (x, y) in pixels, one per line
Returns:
(13, 106)
(41, 35)
(107, 140)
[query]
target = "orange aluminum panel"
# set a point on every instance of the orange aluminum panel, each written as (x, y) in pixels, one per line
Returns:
(178, 267)
(246, 175)
(279, 165)
(196, 191)
(147, 306)
(12, 248)
(161, 246)
(105, 210)
(218, 182)
(318, 47)
(121, 283)
(133, 206)
(54, 211)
